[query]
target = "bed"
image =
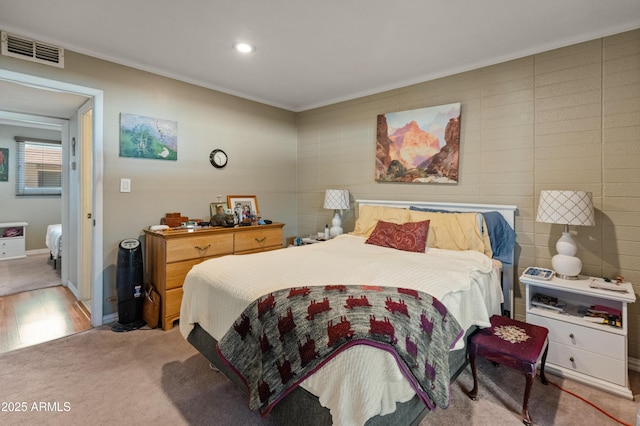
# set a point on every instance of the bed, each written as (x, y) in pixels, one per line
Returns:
(54, 242)
(464, 277)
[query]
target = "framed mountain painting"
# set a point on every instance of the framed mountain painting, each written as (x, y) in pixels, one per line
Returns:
(419, 146)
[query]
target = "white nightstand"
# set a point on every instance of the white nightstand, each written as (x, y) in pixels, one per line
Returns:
(12, 240)
(594, 354)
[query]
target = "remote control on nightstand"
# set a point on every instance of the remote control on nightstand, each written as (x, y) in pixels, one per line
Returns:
(539, 273)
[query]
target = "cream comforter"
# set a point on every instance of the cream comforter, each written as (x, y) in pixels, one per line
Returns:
(217, 291)
(54, 234)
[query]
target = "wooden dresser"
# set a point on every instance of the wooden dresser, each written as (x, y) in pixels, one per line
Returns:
(170, 254)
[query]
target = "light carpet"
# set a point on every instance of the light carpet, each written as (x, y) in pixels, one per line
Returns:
(156, 377)
(31, 273)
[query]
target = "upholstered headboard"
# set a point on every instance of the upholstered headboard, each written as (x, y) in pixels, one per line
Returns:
(508, 212)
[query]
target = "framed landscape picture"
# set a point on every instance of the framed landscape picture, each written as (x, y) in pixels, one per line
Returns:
(419, 146)
(147, 137)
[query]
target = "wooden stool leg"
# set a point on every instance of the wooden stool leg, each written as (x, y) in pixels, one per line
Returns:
(526, 419)
(543, 378)
(473, 352)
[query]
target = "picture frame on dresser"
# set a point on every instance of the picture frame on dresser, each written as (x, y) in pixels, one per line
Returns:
(243, 205)
(217, 208)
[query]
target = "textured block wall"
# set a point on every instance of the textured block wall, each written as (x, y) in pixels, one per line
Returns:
(563, 119)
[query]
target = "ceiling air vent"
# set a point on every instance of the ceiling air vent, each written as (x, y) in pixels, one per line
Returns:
(32, 50)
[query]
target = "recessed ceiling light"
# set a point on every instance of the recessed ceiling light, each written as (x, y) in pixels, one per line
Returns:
(244, 47)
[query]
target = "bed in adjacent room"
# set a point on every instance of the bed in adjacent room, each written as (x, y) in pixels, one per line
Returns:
(366, 328)
(54, 242)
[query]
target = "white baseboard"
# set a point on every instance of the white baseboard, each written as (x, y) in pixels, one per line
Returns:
(38, 251)
(108, 319)
(74, 290)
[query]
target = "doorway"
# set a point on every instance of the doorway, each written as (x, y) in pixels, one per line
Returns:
(91, 177)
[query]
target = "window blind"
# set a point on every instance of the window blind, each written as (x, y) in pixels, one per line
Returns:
(39, 166)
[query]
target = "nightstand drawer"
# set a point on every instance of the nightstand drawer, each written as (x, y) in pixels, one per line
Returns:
(592, 364)
(199, 247)
(602, 342)
(11, 247)
(258, 239)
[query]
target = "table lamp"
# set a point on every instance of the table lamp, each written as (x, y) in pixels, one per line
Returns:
(336, 199)
(566, 208)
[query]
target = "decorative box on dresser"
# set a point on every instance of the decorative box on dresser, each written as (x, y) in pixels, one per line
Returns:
(588, 352)
(170, 254)
(12, 240)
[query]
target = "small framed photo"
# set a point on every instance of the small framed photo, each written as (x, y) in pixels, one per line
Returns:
(243, 206)
(217, 208)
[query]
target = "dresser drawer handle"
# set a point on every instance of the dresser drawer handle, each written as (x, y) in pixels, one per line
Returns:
(261, 240)
(571, 359)
(571, 336)
(203, 248)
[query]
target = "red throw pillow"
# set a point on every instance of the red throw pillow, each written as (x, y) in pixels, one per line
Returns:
(411, 236)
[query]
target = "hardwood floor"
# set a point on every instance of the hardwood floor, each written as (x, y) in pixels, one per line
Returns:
(38, 316)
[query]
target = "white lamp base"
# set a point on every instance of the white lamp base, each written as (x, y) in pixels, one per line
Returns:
(336, 225)
(566, 265)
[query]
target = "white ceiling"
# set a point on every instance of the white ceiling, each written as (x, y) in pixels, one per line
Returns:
(314, 53)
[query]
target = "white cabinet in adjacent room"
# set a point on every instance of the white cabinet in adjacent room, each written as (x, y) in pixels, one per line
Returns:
(12, 240)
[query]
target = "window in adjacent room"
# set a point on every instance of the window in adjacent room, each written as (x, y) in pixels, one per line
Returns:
(39, 166)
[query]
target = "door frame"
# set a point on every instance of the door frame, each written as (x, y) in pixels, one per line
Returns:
(97, 269)
(85, 202)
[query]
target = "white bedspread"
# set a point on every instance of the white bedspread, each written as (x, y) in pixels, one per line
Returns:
(54, 234)
(217, 291)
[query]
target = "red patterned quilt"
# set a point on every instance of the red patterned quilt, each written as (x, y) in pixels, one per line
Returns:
(283, 337)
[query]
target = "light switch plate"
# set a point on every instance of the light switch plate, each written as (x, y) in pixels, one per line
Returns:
(125, 185)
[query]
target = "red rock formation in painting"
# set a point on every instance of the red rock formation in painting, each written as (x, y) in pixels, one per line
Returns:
(445, 163)
(383, 159)
(412, 145)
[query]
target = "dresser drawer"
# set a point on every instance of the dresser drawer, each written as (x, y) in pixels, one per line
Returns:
(177, 271)
(589, 339)
(172, 302)
(199, 247)
(592, 364)
(11, 247)
(258, 239)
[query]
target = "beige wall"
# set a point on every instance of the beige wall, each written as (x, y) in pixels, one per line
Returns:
(564, 119)
(260, 141)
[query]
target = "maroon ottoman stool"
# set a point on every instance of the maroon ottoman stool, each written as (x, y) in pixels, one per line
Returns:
(514, 344)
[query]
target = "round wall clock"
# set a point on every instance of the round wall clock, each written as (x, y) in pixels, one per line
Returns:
(218, 158)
